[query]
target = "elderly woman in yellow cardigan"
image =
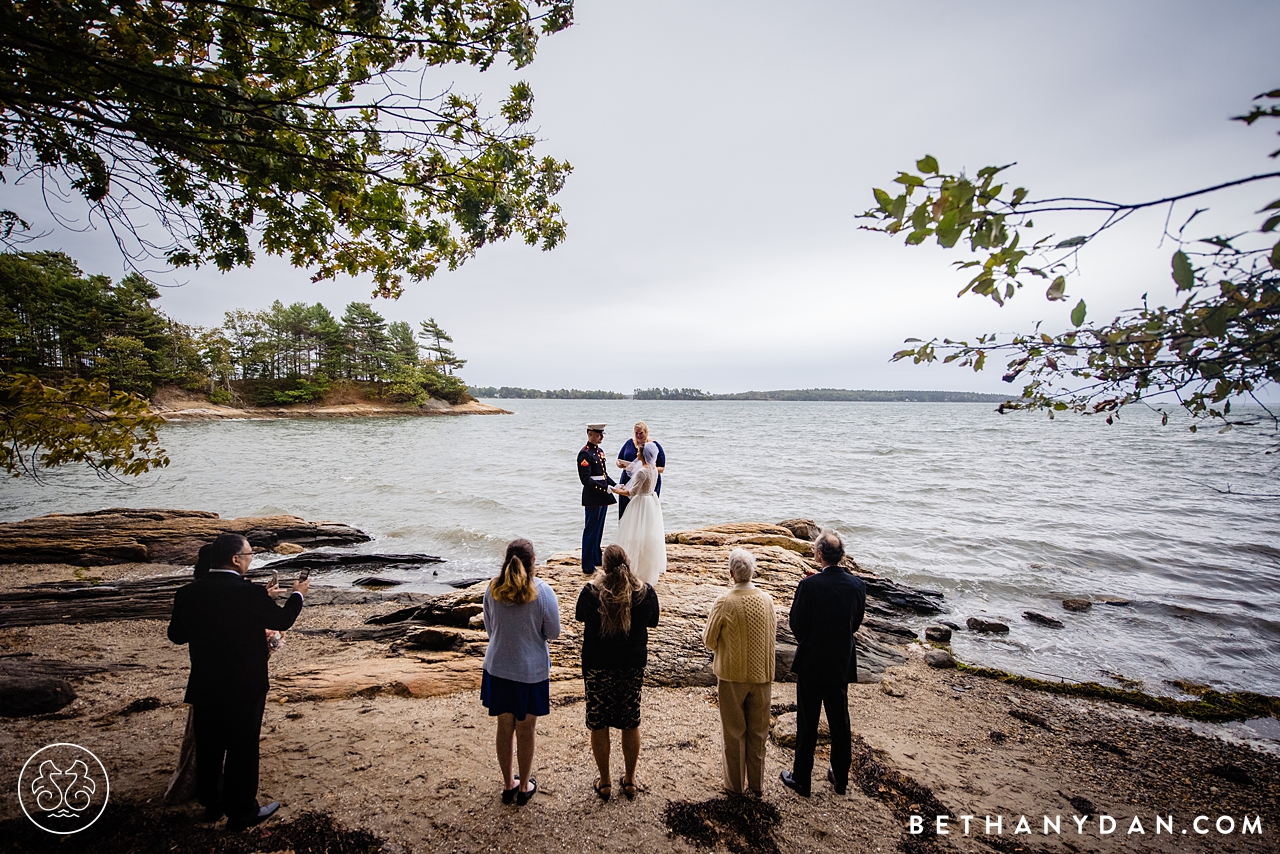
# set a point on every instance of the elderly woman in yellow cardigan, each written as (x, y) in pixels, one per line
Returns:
(740, 631)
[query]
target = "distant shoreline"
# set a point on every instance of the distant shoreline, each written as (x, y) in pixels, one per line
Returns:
(828, 395)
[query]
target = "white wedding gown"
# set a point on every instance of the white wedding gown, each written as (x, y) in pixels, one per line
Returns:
(640, 533)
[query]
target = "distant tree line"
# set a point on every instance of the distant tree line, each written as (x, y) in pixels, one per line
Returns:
(866, 396)
(58, 324)
(671, 394)
(803, 394)
(512, 393)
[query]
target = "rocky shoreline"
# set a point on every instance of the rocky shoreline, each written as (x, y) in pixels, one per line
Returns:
(179, 411)
(373, 721)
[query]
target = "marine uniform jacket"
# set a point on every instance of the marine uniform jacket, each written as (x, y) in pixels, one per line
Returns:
(826, 611)
(595, 493)
(222, 618)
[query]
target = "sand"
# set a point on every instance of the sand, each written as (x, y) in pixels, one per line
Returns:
(421, 774)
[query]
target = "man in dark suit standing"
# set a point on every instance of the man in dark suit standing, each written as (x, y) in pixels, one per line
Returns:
(223, 617)
(826, 611)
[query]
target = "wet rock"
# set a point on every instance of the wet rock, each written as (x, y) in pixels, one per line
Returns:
(802, 529)
(439, 640)
(888, 628)
(463, 583)
(784, 654)
(977, 624)
(1041, 619)
(874, 656)
(1030, 717)
(289, 549)
(375, 581)
(322, 561)
(937, 634)
(1114, 601)
(939, 658)
(955, 627)
(23, 696)
(784, 730)
(1077, 605)
(123, 535)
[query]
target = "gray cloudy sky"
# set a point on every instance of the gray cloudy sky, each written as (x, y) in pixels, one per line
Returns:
(722, 150)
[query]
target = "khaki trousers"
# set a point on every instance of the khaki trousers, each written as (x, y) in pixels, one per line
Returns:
(744, 717)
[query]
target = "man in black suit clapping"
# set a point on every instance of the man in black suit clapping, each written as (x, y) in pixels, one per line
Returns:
(826, 611)
(223, 617)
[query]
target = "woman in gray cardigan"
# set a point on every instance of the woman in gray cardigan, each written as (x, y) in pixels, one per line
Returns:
(521, 614)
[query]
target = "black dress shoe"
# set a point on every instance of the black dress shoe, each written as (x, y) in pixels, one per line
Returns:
(212, 814)
(262, 815)
(790, 783)
(831, 778)
(509, 795)
(523, 797)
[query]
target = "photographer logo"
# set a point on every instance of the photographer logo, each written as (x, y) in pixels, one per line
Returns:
(63, 788)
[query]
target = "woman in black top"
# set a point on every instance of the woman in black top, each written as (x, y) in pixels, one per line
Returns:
(617, 610)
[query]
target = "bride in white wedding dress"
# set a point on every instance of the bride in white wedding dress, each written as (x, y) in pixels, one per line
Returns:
(640, 533)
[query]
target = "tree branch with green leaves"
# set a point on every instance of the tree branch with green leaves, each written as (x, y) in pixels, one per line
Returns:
(298, 127)
(1219, 342)
(83, 421)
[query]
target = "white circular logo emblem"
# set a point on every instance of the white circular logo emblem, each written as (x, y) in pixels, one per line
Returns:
(63, 788)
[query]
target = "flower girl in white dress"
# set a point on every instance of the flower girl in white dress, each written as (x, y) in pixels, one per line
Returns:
(640, 533)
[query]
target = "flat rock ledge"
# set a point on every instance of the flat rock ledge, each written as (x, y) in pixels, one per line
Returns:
(124, 535)
(437, 646)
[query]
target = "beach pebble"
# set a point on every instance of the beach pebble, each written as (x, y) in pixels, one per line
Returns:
(976, 624)
(23, 696)
(1076, 604)
(891, 687)
(1036, 617)
(937, 634)
(939, 658)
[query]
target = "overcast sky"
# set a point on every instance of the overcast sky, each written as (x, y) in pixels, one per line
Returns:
(722, 151)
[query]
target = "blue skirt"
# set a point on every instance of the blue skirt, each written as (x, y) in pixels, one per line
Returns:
(507, 697)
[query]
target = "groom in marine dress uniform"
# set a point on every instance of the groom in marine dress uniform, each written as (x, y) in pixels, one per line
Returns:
(596, 497)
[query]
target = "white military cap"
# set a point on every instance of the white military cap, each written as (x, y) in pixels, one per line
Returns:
(598, 427)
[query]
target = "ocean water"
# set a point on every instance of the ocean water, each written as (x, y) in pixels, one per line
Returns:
(1003, 514)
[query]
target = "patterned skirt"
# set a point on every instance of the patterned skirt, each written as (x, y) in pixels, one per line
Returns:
(613, 697)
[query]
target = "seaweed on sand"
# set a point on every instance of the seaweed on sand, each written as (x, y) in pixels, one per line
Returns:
(744, 825)
(140, 828)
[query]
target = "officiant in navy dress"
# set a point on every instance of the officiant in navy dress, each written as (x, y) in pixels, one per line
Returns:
(628, 455)
(596, 498)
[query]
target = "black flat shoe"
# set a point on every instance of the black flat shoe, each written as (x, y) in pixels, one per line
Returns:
(831, 778)
(523, 797)
(212, 814)
(262, 815)
(790, 783)
(509, 795)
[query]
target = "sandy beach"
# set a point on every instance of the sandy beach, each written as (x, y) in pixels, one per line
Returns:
(387, 770)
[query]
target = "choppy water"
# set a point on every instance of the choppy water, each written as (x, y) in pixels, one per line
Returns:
(1002, 513)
